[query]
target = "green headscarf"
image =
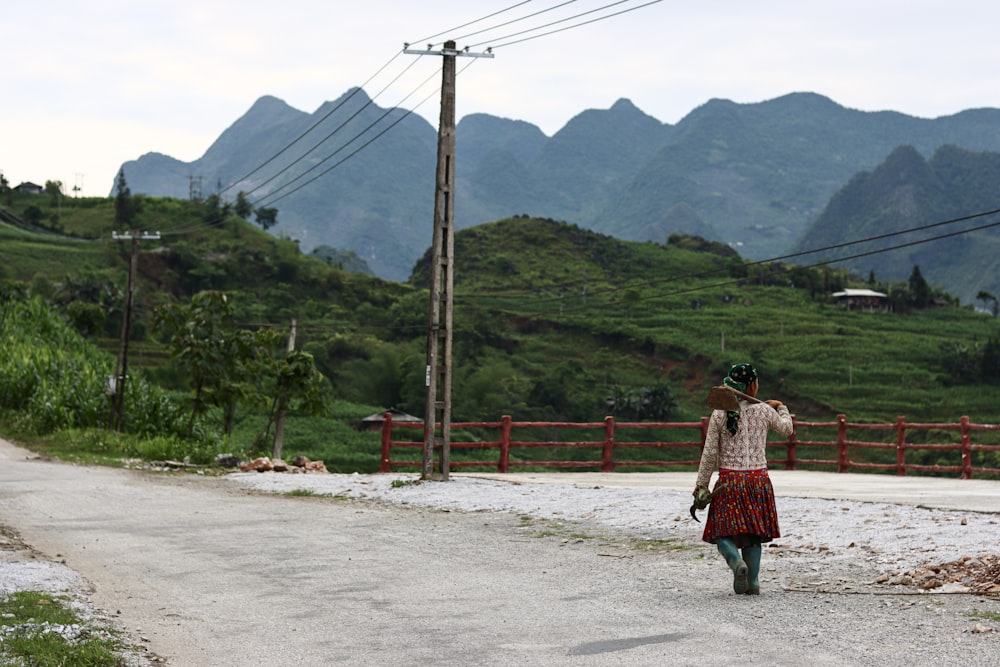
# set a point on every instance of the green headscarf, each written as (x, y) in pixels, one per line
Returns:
(740, 377)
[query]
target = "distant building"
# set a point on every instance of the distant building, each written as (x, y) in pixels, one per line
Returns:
(862, 299)
(30, 188)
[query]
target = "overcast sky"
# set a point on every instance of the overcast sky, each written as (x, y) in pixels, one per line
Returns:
(90, 85)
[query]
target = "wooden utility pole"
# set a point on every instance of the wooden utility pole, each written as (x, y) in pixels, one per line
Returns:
(116, 383)
(437, 376)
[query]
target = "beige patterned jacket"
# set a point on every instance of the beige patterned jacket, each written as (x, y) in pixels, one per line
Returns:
(745, 450)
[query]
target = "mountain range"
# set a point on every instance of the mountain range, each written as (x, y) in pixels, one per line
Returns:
(939, 200)
(760, 177)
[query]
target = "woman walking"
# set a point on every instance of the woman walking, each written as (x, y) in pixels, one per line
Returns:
(742, 513)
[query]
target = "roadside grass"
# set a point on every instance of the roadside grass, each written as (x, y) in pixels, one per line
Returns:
(38, 629)
(300, 493)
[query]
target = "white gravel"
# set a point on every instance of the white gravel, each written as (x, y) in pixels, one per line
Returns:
(42, 576)
(893, 536)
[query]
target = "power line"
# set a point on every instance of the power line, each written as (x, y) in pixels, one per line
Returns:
(311, 127)
(271, 202)
(465, 25)
(518, 20)
(344, 101)
(570, 18)
(335, 130)
(346, 144)
(301, 136)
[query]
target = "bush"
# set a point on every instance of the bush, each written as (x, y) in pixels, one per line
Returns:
(56, 380)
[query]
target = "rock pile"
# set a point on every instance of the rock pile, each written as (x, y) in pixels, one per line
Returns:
(300, 464)
(965, 575)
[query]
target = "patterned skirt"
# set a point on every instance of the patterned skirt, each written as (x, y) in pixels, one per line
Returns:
(744, 509)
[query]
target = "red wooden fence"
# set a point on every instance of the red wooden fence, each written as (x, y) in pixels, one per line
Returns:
(608, 445)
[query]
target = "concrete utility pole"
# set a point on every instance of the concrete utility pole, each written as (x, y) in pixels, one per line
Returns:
(439, 329)
(116, 383)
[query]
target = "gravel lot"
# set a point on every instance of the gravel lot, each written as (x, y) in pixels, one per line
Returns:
(384, 569)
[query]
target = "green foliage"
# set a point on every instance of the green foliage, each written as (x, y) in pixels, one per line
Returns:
(655, 403)
(26, 615)
(229, 367)
(242, 207)
(53, 380)
(125, 207)
(266, 217)
(550, 321)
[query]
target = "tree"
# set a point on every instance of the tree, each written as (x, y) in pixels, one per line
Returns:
(53, 189)
(920, 291)
(988, 298)
(124, 206)
(216, 357)
(242, 207)
(295, 383)
(33, 215)
(989, 369)
(267, 218)
(228, 367)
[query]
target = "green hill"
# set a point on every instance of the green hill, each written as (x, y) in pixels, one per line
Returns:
(552, 321)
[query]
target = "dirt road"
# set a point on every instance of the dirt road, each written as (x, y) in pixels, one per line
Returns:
(215, 575)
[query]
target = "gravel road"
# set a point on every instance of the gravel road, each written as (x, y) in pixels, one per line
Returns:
(234, 571)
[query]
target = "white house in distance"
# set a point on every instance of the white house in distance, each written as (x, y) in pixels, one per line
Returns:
(862, 299)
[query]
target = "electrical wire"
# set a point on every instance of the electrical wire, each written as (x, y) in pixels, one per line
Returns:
(518, 20)
(495, 46)
(319, 143)
(310, 128)
(279, 173)
(466, 25)
(271, 202)
(271, 199)
(333, 110)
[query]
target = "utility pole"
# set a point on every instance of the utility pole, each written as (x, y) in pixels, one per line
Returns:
(116, 383)
(437, 377)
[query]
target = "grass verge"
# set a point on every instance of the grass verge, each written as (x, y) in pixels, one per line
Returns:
(41, 630)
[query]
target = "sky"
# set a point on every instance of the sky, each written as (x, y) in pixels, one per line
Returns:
(90, 85)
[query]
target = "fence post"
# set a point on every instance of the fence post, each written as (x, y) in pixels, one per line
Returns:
(505, 427)
(843, 465)
(386, 465)
(901, 446)
(966, 449)
(608, 457)
(704, 432)
(790, 461)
